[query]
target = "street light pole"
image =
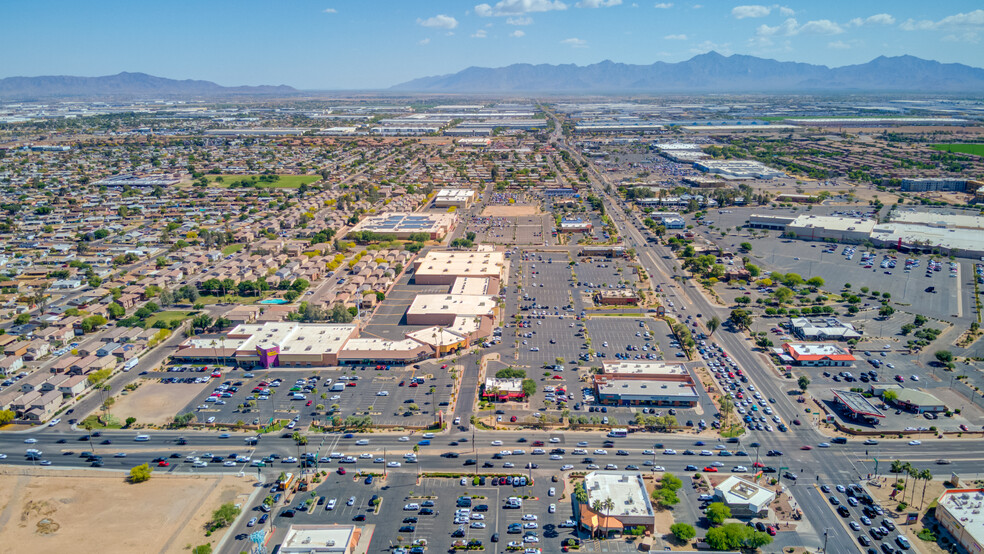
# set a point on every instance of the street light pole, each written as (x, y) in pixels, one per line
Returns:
(825, 540)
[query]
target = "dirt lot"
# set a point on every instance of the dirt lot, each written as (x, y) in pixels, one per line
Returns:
(155, 403)
(64, 511)
(514, 210)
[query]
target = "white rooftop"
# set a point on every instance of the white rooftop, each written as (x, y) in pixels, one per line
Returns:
(965, 506)
(312, 539)
(626, 489)
(738, 491)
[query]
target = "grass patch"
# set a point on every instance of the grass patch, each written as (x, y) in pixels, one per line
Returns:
(975, 149)
(94, 421)
(232, 249)
(284, 182)
(169, 317)
(734, 431)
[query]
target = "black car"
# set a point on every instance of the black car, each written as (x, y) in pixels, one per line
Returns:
(495, 537)
(61, 441)
(768, 469)
(471, 462)
(622, 453)
(488, 464)
(760, 526)
(834, 501)
(407, 529)
(409, 520)
(843, 511)
(360, 517)
(289, 512)
(865, 541)
(426, 511)
(459, 532)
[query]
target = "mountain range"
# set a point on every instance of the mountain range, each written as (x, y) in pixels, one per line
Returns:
(711, 72)
(123, 85)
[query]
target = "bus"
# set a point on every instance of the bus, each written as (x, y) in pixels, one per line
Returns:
(618, 433)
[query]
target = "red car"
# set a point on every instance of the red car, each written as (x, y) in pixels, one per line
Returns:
(308, 402)
(445, 366)
(413, 384)
(402, 383)
(536, 443)
(163, 463)
(771, 530)
(350, 384)
(758, 464)
(806, 447)
(341, 471)
(710, 469)
(513, 420)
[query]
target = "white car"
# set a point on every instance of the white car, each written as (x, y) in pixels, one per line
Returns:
(393, 464)
(30, 441)
(477, 525)
(404, 439)
(915, 443)
(601, 452)
(739, 469)
(566, 467)
(556, 457)
(529, 517)
(383, 393)
(200, 463)
(658, 468)
(530, 525)
(552, 508)
(229, 463)
(54, 422)
(669, 452)
(554, 440)
(496, 443)
(379, 461)
(365, 456)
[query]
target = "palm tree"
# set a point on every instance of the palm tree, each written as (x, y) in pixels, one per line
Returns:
(597, 506)
(927, 476)
(909, 471)
(608, 504)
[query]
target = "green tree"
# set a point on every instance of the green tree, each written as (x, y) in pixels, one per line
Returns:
(713, 324)
(22, 319)
(717, 512)
(746, 246)
(140, 473)
(225, 515)
(815, 282)
(529, 387)
(202, 549)
(736, 536)
(742, 319)
(944, 356)
(803, 382)
(6, 416)
(684, 532)
(115, 311)
(890, 396)
(886, 311)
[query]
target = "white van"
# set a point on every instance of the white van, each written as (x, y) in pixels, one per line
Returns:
(298, 396)
(413, 506)
(362, 442)
(142, 438)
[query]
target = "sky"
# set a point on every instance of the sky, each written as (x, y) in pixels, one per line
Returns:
(372, 44)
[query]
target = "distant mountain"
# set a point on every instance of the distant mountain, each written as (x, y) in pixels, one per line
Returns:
(122, 85)
(711, 72)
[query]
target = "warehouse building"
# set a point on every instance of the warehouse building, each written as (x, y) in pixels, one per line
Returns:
(841, 229)
(403, 224)
(822, 354)
(934, 184)
(959, 512)
(443, 309)
(627, 491)
(739, 169)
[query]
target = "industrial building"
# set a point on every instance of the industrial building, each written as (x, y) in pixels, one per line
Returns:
(822, 328)
(645, 383)
(840, 229)
(821, 354)
(458, 198)
(403, 224)
(627, 491)
(739, 169)
(959, 512)
(744, 498)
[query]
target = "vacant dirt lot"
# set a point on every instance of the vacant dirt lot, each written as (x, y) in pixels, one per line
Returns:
(69, 511)
(513, 210)
(156, 403)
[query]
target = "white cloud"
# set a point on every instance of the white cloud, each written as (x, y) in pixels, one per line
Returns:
(519, 7)
(663, 5)
(791, 27)
(330, 10)
(969, 37)
(958, 21)
(439, 21)
(522, 20)
(839, 45)
(517, 34)
(675, 37)
(481, 33)
(787, 12)
(575, 42)
(424, 42)
(597, 3)
(741, 12)
(877, 19)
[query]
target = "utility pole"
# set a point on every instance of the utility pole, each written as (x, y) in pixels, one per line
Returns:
(825, 540)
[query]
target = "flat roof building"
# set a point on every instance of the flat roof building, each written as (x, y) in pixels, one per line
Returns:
(289, 344)
(744, 498)
(823, 328)
(458, 198)
(442, 309)
(857, 405)
(374, 350)
(959, 512)
(404, 224)
(440, 267)
(503, 389)
(816, 354)
(914, 400)
(325, 539)
(821, 227)
(632, 507)
(647, 383)
(739, 169)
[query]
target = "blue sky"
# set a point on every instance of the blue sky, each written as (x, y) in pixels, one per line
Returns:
(340, 44)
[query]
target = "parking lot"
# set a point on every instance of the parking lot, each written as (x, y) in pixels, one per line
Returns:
(390, 396)
(530, 230)
(433, 517)
(389, 319)
(867, 522)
